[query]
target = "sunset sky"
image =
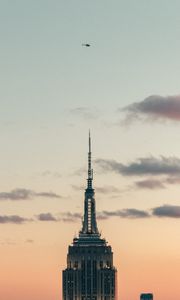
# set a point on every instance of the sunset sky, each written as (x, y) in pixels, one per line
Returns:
(125, 88)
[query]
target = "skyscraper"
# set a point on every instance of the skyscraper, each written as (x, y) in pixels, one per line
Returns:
(146, 297)
(90, 273)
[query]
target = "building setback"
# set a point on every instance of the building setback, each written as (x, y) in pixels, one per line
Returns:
(90, 273)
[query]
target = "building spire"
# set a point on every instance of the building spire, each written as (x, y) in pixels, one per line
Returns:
(90, 170)
(89, 222)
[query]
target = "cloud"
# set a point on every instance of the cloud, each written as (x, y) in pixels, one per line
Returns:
(25, 194)
(15, 219)
(154, 107)
(173, 180)
(70, 217)
(170, 211)
(130, 213)
(62, 217)
(143, 166)
(47, 195)
(157, 184)
(85, 113)
(151, 184)
(46, 217)
(16, 194)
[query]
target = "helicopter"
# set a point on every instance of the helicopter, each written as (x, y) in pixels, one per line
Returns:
(86, 45)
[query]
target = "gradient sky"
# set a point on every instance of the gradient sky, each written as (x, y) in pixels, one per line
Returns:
(124, 88)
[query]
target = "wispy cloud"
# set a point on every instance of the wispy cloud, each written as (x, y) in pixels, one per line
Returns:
(154, 107)
(151, 184)
(47, 195)
(62, 217)
(16, 194)
(25, 194)
(143, 166)
(160, 183)
(130, 213)
(70, 217)
(46, 217)
(173, 180)
(164, 211)
(15, 219)
(86, 113)
(170, 211)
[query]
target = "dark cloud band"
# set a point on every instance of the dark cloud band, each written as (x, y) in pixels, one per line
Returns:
(46, 217)
(15, 219)
(25, 194)
(164, 211)
(151, 184)
(130, 213)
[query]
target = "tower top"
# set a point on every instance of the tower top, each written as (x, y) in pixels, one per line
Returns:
(89, 234)
(89, 140)
(90, 170)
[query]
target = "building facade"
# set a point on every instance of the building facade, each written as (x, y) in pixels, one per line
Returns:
(146, 297)
(90, 273)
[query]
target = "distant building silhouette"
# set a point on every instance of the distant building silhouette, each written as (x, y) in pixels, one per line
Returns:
(146, 297)
(90, 273)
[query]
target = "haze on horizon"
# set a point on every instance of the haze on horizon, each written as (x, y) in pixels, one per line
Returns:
(125, 88)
